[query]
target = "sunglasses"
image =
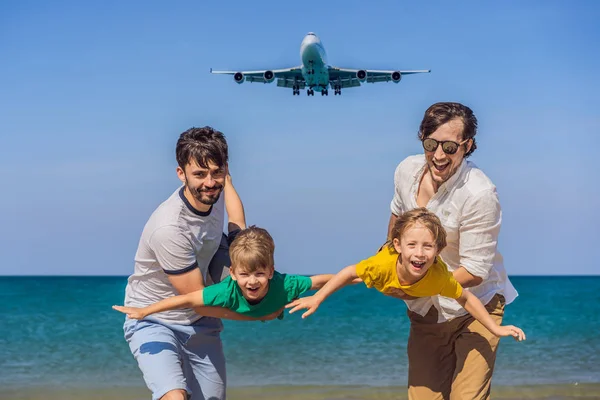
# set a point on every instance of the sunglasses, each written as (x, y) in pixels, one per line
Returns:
(448, 146)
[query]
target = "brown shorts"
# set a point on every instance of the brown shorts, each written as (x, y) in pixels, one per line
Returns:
(454, 359)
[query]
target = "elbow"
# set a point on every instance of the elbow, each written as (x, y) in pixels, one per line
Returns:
(473, 281)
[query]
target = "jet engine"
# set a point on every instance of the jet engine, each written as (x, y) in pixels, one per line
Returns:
(361, 75)
(269, 76)
(396, 76)
(239, 77)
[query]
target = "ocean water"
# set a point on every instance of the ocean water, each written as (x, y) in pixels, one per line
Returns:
(61, 332)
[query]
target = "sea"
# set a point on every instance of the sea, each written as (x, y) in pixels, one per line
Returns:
(60, 334)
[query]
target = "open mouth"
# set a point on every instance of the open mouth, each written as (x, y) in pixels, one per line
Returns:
(253, 290)
(417, 265)
(441, 167)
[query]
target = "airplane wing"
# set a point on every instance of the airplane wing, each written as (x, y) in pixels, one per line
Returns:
(286, 77)
(347, 77)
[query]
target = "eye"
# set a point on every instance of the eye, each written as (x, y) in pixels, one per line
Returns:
(219, 173)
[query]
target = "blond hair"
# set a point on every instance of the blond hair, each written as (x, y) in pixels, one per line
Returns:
(424, 217)
(252, 249)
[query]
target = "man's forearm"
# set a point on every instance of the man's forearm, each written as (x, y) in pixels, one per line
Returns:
(465, 278)
(235, 209)
(393, 219)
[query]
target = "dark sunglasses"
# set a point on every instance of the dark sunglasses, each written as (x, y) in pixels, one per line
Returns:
(448, 146)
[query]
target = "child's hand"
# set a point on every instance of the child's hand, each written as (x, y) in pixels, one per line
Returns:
(310, 303)
(510, 330)
(132, 312)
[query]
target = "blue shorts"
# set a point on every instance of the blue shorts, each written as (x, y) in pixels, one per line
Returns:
(188, 357)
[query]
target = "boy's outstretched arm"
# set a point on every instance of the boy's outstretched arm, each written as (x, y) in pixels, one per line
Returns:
(235, 209)
(473, 305)
(191, 300)
(318, 281)
(311, 303)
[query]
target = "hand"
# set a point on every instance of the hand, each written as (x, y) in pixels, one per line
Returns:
(132, 312)
(311, 303)
(356, 280)
(510, 330)
(272, 316)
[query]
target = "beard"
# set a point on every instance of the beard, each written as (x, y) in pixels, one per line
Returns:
(201, 193)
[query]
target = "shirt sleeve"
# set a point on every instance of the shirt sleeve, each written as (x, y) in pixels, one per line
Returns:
(173, 250)
(296, 285)
(452, 288)
(396, 206)
(369, 270)
(479, 230)
(217, 295)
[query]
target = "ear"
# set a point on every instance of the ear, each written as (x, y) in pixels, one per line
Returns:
(181, 174)
(396, 244)
(271, 272)
(232, 274)
(469, 145)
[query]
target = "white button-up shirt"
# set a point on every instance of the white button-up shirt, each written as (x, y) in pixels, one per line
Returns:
(467, 205)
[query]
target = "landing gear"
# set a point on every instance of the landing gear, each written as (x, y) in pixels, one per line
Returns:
(337, 90)
(310, 92)
(324, 92)
(295, 90)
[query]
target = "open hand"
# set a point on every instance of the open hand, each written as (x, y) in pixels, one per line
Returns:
(310, 303)
(510, 330)
(132, 312)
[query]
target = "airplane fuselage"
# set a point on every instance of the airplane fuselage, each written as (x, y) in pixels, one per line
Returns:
(314, 63)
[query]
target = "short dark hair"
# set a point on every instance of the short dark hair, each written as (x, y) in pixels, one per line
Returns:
(202, 145)
(440, 113)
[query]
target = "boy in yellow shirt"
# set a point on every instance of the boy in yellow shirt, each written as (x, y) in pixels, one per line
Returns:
(410, 267)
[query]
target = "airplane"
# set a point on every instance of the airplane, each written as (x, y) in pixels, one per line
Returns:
(316, 75)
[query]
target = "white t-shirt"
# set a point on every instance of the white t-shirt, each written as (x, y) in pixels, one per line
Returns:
(467, 205)
(176, 239)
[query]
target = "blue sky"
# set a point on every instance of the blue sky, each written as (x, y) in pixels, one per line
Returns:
(94, 95)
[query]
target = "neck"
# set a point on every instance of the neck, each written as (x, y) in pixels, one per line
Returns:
(194, 202)
(434, 184)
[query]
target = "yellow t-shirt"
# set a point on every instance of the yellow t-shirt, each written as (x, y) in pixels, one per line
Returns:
(379, 272)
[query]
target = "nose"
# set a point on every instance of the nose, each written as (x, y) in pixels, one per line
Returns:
(439, 153)
(419, 251)
(209, 181)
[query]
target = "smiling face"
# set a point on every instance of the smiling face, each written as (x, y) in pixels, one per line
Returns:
(253, 284)
(442, 165)
(203, 186)
(418, 250)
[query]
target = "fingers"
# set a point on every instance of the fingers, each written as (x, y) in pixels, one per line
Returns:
(517, 333)
(296, 308)
(307, 313)
(293, 303)
(120, 309)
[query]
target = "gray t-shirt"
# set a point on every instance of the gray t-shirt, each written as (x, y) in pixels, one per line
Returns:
(176, 239)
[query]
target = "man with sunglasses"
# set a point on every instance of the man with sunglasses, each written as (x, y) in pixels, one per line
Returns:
(450, 354)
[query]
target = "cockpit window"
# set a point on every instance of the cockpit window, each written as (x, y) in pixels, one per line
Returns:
(311, 34)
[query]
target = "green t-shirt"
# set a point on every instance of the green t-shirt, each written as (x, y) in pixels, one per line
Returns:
(283, 288)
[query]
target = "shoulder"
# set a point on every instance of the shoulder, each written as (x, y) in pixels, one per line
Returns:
(218, 293)
(291, 280)
(167, 213)
(476, 182)
(410, 165)
(384, 260)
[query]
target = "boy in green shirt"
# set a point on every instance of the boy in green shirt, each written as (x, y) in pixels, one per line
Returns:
(253, 288)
